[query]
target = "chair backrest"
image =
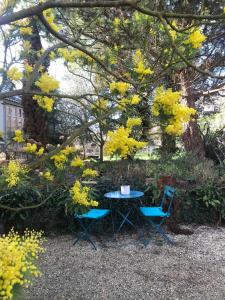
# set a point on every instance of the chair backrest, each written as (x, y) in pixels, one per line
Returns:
(168, 193)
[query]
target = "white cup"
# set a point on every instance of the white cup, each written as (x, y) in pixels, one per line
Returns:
(125, 189)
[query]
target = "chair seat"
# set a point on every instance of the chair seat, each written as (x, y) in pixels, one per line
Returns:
(153, 212)
(94, 214)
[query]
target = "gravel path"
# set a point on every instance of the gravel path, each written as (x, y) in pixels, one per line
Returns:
(193, 269)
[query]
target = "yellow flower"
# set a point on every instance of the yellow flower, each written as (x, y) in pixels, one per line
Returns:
(135, 99)
(40, 151)
(100, 104)
(47, 83)
(68, 150)
(139, 64)
(119, 141)
(26, 46)
(131, 122)
(18, 255)
(50, 17)
(174, 114)
(90, 173)
(80, 195)
(59, 160)
(44, 102)
(30, 148)
(120, 87)
(48, 176)
(14, 74)
(26, 31)
(196, 38)
(77, 162)
(13, 173)
(28, 68)
(18, 136)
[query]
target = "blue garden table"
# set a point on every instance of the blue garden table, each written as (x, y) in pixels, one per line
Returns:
(129, 200)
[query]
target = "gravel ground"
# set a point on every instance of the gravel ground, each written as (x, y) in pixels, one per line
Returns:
(125, 269)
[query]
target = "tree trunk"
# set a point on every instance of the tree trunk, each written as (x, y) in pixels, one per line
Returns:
(168, 144)
(35, 118)
(101, 152)
(192, 138)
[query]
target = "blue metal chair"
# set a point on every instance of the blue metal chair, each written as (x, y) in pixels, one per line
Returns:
(93, 216)
(151, 213)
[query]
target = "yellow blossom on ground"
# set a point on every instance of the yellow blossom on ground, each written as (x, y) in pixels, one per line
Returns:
(14, 74)
(30, 148)
(18, 256)
(25, 30)
(77, 162)
(80, 195)
(196, 38)
(47, 83)
(90, 173)
(18, 136)
(13, 173)
(44, 102)
(120, 87)
(131, 122)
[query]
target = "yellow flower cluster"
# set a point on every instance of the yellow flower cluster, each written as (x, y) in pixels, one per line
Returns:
(14, 74)
(133, 100)
(167, 103)
(120, 87)
(139, 64)
(26, 46)
(116, 24)
(62, 157)
(30, 148)
(90, 173)
(71, 55)
(40, 151)
(18, 136)
(131, 122)
(80, 195)
(28, 68)
(13, 173)
(120, 142)
(50, 17)
(44, 102)
(25, 30)
(47, 83)
(100, 104)
(18, 256)
(77, 162)
(196, 38)
(47, 175)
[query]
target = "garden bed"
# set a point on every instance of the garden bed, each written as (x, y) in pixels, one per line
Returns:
(125, 269)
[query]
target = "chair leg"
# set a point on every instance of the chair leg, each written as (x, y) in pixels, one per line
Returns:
(160, 230)
(85, 234)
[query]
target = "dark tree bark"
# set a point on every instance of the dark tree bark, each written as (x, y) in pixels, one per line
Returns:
(35, 118)
(192, 138)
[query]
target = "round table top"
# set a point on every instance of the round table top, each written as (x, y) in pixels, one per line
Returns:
(118, 195)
